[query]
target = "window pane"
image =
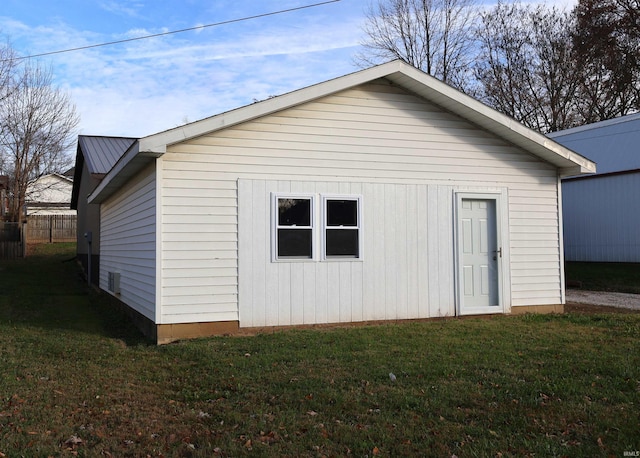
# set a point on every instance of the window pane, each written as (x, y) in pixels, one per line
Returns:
(294, 212)
(342, 242)
(294, 243)
(342, 212)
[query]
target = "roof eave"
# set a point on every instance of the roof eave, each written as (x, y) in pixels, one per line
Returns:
(129, 164)
(437, 92)
(574, 171)
(488, 118)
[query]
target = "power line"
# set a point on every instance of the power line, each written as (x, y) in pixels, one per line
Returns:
(173, 32)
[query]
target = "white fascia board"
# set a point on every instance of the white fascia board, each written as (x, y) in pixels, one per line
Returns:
(397, 71)
(574, 171)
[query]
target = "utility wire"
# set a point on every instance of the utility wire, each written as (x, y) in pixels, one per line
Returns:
(199, 27)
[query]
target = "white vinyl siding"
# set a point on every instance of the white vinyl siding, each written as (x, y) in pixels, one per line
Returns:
(375, 137)
(128, 242)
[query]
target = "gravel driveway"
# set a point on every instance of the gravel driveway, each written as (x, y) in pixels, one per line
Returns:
(623, 300)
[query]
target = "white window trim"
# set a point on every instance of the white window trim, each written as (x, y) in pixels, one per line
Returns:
(323, 229)
(318, 226)
(275, 196)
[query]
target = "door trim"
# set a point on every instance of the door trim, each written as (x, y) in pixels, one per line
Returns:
(499, 197)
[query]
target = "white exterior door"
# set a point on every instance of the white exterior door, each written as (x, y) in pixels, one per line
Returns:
(479, 255)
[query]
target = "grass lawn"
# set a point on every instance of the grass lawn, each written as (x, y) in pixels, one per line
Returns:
(78, 380)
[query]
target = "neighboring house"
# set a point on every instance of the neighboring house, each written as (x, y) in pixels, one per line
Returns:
(95, 156)
(49, 195)
(380, 195)
(4, 196)
(601, 211)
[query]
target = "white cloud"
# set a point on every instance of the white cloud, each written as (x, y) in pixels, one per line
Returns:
(142, 87)
(129, 9)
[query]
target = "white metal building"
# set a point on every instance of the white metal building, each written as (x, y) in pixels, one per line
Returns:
(381, 195)
(602, 211)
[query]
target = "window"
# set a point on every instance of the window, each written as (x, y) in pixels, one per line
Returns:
(294, 227)
(295, 234)
(341, 227)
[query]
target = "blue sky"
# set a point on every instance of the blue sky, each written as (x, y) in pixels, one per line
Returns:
(143, 87)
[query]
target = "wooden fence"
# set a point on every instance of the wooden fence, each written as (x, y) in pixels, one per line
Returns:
(51, 228)
(11, 240)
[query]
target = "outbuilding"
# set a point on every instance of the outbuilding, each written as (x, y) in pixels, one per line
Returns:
(95, 156)
(602, 215)
(380, 195)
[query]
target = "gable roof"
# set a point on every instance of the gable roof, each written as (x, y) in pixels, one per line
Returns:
(612, 144)
(55, 176)
(398, 72)
(100, 155)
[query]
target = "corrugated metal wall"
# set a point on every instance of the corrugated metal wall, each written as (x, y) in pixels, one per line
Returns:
(602, 218)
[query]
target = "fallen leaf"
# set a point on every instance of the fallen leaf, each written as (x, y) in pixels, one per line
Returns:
(600, 443)
(375, 451)
(73, 441)
(312, 413)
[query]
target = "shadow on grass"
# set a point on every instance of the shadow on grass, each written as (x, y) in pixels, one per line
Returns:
(47, 290)
(622, 277)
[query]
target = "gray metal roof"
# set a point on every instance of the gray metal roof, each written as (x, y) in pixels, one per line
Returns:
(614, 144)
(101, 153)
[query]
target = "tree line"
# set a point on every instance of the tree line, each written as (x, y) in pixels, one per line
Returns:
(547, 68)
(37, 125)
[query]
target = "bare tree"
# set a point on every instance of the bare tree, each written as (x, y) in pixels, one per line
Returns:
(435, 36)
(607, 44)
(37, 122)
(525, 67)
(8, 63)
(7, 66)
